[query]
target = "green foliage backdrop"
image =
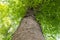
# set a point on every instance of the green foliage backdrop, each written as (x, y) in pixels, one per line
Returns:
(47, 14)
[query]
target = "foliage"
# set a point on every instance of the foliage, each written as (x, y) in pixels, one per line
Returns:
(49, 17)
(11, 12)
(47, 14)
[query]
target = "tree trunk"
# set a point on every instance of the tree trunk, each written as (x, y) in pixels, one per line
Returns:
(29, 29)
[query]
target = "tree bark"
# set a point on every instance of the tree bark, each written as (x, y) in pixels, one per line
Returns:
(29, 29)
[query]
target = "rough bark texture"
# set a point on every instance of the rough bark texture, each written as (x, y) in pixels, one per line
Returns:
(28, 30)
